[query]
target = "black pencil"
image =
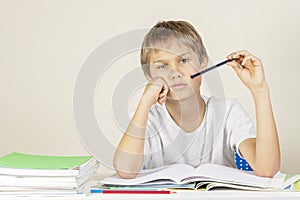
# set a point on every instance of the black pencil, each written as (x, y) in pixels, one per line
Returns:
(211, 68)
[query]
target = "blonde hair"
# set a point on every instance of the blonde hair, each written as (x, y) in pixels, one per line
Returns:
(164, 33)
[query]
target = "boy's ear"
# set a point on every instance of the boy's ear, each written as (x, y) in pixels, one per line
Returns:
(148, 77)
(204, 62)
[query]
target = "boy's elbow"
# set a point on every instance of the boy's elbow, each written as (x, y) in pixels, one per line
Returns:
(267, 172)
(127, 175)
(124, 173)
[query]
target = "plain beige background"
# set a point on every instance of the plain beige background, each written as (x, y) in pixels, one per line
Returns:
(43, 44)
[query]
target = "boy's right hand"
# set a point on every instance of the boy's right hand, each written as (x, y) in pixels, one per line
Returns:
(155, 91)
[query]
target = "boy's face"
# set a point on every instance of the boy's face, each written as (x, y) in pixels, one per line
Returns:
(175, 65)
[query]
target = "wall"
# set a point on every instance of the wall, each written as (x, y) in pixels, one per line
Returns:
(44, 44)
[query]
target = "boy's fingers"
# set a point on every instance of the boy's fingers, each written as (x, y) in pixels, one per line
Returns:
(238, 54)
(246, 59)
(252, 59)
(237, 69)
(161, 95)
(165, 89)
(233, 64)
(230, 56)
(162, 100)
(241, 58)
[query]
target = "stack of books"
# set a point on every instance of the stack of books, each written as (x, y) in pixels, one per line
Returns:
(29, 175)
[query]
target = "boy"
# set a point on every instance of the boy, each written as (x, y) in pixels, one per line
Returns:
(173, 123)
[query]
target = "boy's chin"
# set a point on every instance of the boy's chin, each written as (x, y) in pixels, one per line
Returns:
(181, 97)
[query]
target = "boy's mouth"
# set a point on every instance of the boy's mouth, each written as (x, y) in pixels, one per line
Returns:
(178, 85)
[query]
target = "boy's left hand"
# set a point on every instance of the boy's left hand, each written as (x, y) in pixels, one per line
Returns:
(249, 69)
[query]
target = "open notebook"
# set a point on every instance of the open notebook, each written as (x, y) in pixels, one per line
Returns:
(206, 176)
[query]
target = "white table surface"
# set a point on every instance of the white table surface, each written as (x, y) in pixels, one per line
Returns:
(210, 195)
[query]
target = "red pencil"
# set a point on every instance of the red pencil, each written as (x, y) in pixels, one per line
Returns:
(136, 192)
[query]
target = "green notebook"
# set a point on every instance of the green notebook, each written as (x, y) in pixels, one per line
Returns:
(29, 161)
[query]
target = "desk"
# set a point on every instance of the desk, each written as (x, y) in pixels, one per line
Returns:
(203, 195)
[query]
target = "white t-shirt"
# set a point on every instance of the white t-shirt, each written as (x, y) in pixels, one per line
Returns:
(225, 125)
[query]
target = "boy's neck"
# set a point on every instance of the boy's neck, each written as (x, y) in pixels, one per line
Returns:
(187, 113)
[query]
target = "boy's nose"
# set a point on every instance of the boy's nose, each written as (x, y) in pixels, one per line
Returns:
(175, 74)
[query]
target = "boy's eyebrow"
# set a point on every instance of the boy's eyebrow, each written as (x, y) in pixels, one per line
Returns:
(184, 54)
(179, 55)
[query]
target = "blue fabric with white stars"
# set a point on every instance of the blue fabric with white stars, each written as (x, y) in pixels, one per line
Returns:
(241, 163)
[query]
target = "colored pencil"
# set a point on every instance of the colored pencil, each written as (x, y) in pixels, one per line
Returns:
(130, 191)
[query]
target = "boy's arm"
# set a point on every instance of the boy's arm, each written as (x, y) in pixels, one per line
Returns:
(128, 159)
(262, 153)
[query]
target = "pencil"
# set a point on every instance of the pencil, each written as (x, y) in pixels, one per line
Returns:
(133, 191)
(211, 68)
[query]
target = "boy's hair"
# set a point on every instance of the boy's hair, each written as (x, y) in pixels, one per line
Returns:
(166, 32)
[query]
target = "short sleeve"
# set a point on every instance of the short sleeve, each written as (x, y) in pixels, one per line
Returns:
(239, 125)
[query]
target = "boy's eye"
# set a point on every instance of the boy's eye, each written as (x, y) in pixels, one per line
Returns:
(183, 60)
(162, 67)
